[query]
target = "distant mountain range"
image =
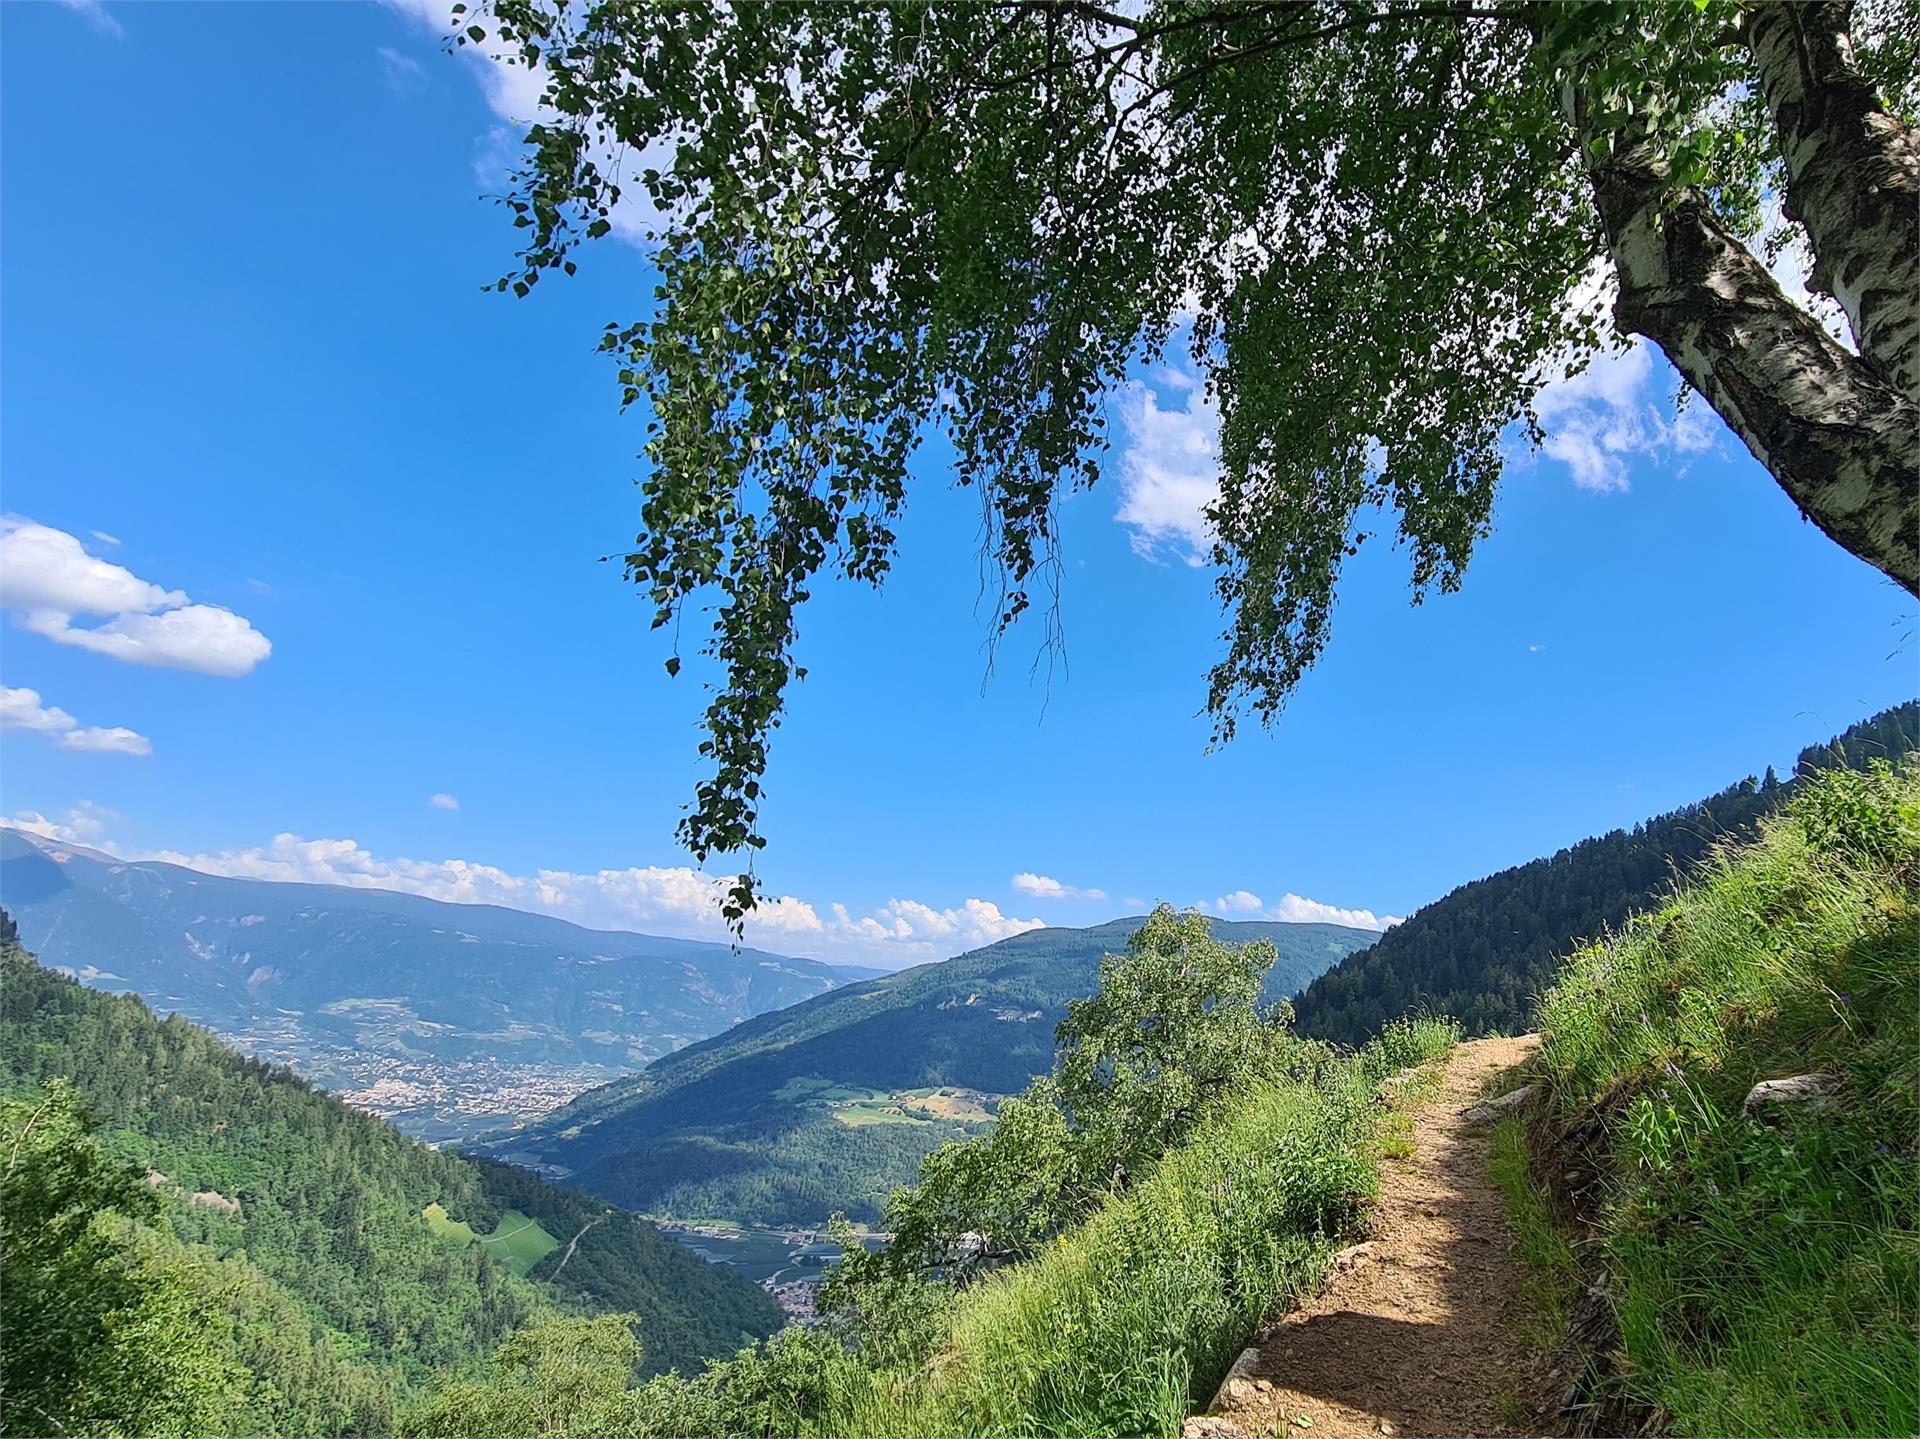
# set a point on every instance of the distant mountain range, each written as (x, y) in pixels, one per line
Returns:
(448, 1018)
(831, 1103)
(1486, 951)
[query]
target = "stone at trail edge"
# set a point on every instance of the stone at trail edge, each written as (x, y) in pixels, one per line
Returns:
(1815, 1091)
(1494, 1109)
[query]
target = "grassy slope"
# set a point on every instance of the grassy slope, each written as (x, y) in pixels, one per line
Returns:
(706, 1131)
(1763, 1272)
(1125, 1323)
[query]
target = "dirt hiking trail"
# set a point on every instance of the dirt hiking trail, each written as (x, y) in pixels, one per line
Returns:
(1416, 1334)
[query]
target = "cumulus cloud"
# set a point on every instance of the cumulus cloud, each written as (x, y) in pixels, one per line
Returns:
(1294, 909)
(1620, 406)
(1169, 469)
(47, 579)
(442, 801)
(1241, 901)
(1043, 886)
(662, 899)
(116, 739)
(23, 709)
(83, 824)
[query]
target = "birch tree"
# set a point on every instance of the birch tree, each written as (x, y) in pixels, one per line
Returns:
(1375, 224)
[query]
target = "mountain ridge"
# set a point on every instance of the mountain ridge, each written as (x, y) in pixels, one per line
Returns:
(1482, 952)
(447, 1018)
(830, 1103)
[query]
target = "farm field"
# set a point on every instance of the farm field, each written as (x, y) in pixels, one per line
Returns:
(858, 1107)
(517, 1241)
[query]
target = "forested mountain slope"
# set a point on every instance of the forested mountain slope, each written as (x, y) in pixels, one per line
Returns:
(793, 1115)
(1484, 952)
(325, 1211)
(345, 982)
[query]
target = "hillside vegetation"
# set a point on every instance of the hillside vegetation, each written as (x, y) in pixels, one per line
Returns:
(1760, 1260)
(304, 1224)
(1486, 951)
(1091, 1267)
(793, 1115)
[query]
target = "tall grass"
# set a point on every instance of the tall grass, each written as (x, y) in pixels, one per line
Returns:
(1763, 1270)
(1121, 1325)
(1552, 1271)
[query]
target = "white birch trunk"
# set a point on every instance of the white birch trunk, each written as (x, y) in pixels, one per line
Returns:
(1841, 439)
(1853, 177)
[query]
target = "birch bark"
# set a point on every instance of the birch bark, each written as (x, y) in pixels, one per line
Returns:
(1840, 437)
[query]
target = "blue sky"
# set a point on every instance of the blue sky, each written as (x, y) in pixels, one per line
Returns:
(254, 394)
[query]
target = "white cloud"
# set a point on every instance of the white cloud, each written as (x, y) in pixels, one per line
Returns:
(1042, 886)
(1241, 901)
(83, 824)
(47, 578)
(1170, 468)
(1621, 406)
(1792, 268)
(1535, 649)
(206, 638)
(42, 568)
(442, 801)
(1293, 909)
(22, 709)
(96, 739)
(96, 15)
(113, 541)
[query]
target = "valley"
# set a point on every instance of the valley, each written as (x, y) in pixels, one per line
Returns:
(788, 1263)
(829, 1105)
(440, 1101)
(451, 1020)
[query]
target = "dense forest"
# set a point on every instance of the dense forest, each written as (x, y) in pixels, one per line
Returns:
(1483, 953)
(718, 1129)
(308, 1217)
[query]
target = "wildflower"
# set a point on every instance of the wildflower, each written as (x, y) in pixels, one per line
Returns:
(1713, 1189)
(1664, 1095)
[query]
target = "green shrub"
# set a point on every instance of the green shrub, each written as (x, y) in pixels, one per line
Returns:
(1404, 1043)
